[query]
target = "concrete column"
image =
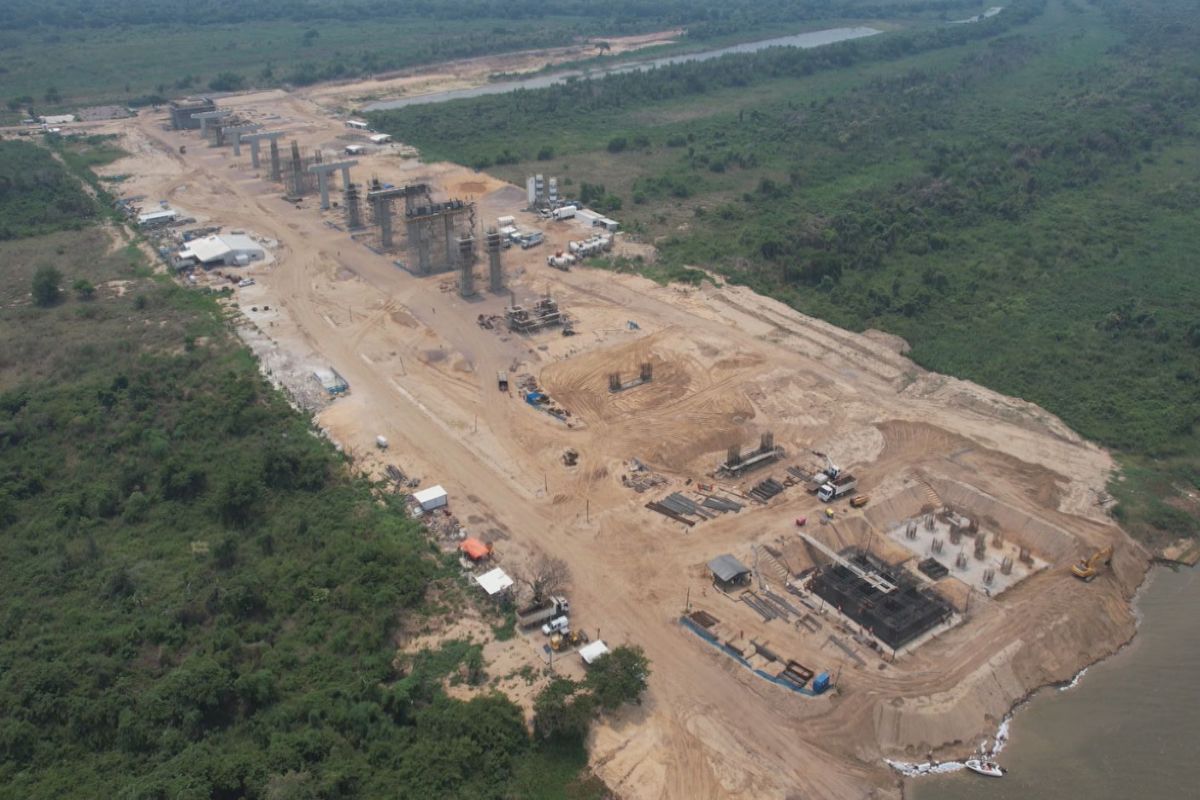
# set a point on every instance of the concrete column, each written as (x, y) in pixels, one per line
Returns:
(323, 185)
(254, 153)
(274, 160)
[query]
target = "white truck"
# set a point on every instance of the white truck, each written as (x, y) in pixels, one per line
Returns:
(841, 485)
(530, 616)
(557, 625)
(564, 212)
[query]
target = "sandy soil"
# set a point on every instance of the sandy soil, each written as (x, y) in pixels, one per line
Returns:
(472, 72)
(729, 365)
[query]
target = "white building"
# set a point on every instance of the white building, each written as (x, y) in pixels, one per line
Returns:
(590, 652)
(380, 138)
(57, 119)
(357, 124)
(230, 249)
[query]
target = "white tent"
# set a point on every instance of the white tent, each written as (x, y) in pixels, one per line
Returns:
(494, 582)
(590, 652)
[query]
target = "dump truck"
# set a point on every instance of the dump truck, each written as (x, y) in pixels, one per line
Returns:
(538, 613)
(842, 485)
(502, 380)
(1088, 568)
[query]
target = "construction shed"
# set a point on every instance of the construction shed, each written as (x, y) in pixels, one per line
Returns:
(228, 249)
(380, 138)
(431, 498)
(728, 571)
(494, 582)
(474, 549)
(153, 219)
(592, 651)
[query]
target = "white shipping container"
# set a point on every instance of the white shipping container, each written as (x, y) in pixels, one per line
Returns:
(431, 498)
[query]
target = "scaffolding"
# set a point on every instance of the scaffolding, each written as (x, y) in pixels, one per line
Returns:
(543, 314)
(854, 585)
(434, 232)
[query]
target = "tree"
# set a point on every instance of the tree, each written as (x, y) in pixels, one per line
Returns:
(619, 677)
(84, 289)
(562, 711)
(52, 95)
(46, 286)
(545, 576)
(227, 82)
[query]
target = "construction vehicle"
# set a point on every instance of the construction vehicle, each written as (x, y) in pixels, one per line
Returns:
(560, 260)
(842, 485)
(859, 501)
(540, 612)
(502, 380)
(1088, 568)
(563, 641)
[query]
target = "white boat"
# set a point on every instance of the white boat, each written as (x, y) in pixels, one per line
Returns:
(985, 767)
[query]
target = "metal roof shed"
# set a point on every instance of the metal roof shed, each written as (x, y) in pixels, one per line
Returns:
(494, 581)
(590, 652)
(728, 569)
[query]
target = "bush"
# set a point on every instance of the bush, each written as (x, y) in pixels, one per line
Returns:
(46, 289)
(619, 677)
(617, 145)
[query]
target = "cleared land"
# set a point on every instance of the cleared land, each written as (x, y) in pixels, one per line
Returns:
(1018, 207)
(729, 365)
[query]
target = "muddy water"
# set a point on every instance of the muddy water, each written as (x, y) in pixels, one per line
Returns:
(802, 40)
(1130, 728)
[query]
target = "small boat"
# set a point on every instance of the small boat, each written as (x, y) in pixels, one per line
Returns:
(985, 767)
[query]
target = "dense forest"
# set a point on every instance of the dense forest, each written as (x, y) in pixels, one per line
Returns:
(201, 600)
(1015, 197)
(60, 14)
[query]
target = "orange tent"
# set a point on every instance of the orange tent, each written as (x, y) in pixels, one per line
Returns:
(475, 549)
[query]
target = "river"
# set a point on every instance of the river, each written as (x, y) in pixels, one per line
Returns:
(1130, 728)
(803, 40)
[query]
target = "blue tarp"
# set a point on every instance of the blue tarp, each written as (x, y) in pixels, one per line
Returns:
(819, 685)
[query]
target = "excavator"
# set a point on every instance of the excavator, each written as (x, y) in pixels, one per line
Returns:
(1089, 568)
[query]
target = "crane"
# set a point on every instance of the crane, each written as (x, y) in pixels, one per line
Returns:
(831, 469)
(1089, 568)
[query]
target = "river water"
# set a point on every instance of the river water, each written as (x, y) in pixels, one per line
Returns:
(803, 40)
(1129, 729)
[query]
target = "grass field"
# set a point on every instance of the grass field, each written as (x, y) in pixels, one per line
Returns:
(1019, 207)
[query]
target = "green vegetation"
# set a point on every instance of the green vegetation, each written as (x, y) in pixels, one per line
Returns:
(564, 708)
(36, 194)
(200, 599)
(72, 51)
(1014, 197)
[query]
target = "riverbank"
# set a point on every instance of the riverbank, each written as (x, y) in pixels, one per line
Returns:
(1123, 729)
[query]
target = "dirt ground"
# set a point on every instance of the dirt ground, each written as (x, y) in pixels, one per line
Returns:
(728, 366)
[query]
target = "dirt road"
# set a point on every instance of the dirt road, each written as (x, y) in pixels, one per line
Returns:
(729, 365)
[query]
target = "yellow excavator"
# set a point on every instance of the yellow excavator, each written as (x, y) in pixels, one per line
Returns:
(1089, 568)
